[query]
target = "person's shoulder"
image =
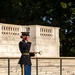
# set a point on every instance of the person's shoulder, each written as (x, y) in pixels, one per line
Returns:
(20, 42)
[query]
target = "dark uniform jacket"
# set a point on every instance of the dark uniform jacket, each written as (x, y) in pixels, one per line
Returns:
(25, 48)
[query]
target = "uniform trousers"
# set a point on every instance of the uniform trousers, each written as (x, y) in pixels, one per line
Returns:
(27, 69)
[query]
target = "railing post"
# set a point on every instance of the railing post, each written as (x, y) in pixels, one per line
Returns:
(60, 66)
(8, 66)
(36, 66)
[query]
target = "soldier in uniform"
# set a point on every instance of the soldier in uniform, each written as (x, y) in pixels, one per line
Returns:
(25, 60)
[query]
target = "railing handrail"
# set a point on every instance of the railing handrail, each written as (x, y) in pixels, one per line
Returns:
(39, 57)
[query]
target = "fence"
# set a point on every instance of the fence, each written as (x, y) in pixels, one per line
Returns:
(40, 66)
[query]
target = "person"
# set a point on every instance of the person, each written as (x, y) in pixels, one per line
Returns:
(25, 59)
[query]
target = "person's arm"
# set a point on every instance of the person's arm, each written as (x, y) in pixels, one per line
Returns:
(32, 54)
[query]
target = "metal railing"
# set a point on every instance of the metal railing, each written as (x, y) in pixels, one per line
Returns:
(37, 62)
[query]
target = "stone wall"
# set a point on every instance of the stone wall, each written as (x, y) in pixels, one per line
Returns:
(44, 39)
(9, 39)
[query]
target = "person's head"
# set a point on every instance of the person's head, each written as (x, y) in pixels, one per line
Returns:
(24, 35)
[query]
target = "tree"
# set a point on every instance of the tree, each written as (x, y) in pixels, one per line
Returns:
(67, 32)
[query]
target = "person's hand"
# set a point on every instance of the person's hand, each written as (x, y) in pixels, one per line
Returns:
(35, 52)
(27, 39)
